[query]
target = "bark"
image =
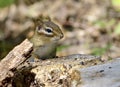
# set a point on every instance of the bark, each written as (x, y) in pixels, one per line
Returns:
(14, 58)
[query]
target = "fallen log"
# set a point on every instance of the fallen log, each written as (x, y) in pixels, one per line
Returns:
(14, 58)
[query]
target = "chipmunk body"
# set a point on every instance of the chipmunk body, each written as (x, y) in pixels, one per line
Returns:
(45, 38)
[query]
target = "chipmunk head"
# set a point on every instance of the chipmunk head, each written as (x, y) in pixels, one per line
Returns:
(47, 30)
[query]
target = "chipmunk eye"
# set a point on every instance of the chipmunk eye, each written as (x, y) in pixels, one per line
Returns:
(48, 30)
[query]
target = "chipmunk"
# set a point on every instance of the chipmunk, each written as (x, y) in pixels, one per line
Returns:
(45, 38)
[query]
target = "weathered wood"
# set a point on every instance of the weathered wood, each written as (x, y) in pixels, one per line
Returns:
(14, 58)
(67, 71)
(63, 71)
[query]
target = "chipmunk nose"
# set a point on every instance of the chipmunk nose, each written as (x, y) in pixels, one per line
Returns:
(61, 36)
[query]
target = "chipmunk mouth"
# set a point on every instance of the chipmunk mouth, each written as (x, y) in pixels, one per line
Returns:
(56, 38)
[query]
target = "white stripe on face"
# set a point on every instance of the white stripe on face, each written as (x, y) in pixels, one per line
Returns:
(46, 30)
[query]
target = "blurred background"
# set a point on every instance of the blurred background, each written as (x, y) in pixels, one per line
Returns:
(89, 26)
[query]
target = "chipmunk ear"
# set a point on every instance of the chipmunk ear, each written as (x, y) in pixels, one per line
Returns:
(37, 21)
(47, 18)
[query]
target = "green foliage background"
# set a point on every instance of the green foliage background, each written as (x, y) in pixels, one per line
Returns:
(4, 3)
